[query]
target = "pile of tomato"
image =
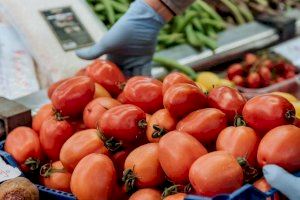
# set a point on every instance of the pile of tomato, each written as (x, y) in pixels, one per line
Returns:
(258, 71)
(107, 138)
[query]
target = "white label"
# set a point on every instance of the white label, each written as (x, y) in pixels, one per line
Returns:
(8, 172)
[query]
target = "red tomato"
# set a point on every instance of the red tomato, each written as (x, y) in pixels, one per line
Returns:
(108, 75)
(254, 80)
(240, 142)
(24, 145)
(121, 98)
(45, 112)
(54, 86)
(228, 100)
(124, 122)
(297, 122)
(281, 146)
(159, 124)
(119, 193)
(144, 92)
(268, 63)
(80, 145)
(250, 59)
(235, 70)
(205, 124)
(93, 178)
(77, 125)
(263, 186)
(279, 79)
(174, 78)
(265, 112)
(54, 133)
(95, 109)
(182, 98)
(238, 80)
(181, 150)
(57, 177)
(216, 173)
(143, 166)
(290, 74)
(266, 76)
(71, 97)
(178, 196)
(146, 194)
(119, 159)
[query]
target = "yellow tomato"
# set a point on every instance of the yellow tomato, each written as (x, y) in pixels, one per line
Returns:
(225, 82)
(100, 91)
(208, 79)
(297, 108)
(202, 87)
(288, 96)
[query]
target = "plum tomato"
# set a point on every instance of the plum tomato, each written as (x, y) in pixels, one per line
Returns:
(144, 92)
(54, 86)
(205, 124)
(146, 194)
(100, 91)
(182, 98)
(45, 112)
(71, 97)
(268, 111)
(174, 78)
(235, 70)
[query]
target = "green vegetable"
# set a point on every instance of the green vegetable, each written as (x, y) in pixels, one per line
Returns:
(235, 11)
(109, 11)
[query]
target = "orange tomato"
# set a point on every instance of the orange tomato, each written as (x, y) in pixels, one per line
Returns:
(93, 178)
(181, 150)
(216, 173)
(178, 196)
(159, 124)
(45, 112)
(58, 178)
(80, 145)
(263, 186)
(100, 91)
(146, 194)
(240, 142)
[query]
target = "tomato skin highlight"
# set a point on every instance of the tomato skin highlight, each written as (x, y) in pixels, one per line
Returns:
(42, 115)
(240, 142)
(204, 124)
(107, 74)
(145, 165)
(94, 110)
(23, 143)
(144, 92)
(58, 180)
(228, 100)
(146, 194)
(174, 78)
(265, 112)
(209, 177)
(181, 150)
(80, 145)
(182, 98)
(163, 120)
(123, 123)
(281, 146)
(54, 133)
(85, 186)
(71, 97)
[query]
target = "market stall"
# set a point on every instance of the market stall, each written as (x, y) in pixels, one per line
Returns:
(223, 102)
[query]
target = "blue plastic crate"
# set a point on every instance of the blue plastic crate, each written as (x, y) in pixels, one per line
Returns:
(45, 193)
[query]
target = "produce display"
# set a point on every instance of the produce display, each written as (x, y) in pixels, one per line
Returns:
(258, 71)
(106, 137)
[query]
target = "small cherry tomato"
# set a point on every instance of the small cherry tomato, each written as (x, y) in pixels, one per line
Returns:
(209, 176)
(250, 59)
(281, 146)
(94, 178)
(94, 110)
(181, 150)
(253, 80)
(235, 70)
(146, 194)
(266, 76)
(159, 124)
(238, 80)
(54, 86)
(142, 168)
(108, 75)
(263, 186)
(178, 196)
(205, 124)
(45, 112)
(182, 98)
(125, 122)
(228, 100)
(71, 97)
(80, 145)
(100, 91)
(54, 176)
(265, 112)
(144, 92)
(239, 141)
(174, 78)
(24, 145)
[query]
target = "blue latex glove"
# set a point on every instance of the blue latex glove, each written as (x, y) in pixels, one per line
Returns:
(131, 42)
(283, 181)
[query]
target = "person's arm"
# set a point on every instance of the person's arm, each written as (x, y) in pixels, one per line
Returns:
(177, 6)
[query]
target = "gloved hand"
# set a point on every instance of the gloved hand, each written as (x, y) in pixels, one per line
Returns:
(283, 181)
(131, 42)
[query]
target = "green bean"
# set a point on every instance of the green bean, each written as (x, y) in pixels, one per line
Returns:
(197, 24)
(109, 11)
(119, 6)
(188, 18)
(217, 24)
(210, 43)
(244, 10)
(209, 10)
(99, 7)
(235, 11)
(192, 37)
